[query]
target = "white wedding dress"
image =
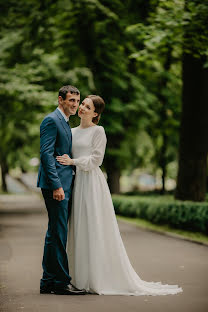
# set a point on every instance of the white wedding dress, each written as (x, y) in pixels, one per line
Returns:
(98, 260)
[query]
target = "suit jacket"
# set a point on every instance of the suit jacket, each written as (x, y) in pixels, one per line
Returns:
(55, 139)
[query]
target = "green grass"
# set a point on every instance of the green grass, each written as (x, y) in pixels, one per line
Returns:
(193, 236)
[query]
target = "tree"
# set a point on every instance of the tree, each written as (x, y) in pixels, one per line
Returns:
(192, 173)
(22, 89)
(22, 104)
(93, 35)
(158, 55)
(29, 74)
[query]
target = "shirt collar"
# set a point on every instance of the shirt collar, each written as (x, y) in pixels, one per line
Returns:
(62, 113)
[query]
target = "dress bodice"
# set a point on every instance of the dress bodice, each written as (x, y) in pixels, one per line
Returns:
(88, 147)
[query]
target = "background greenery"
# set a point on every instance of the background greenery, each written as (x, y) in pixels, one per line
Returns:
(186, 215)
(146, 58)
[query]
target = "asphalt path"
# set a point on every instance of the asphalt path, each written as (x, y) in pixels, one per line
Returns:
(155, 257)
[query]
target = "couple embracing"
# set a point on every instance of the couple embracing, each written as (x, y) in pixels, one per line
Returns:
(94, 259)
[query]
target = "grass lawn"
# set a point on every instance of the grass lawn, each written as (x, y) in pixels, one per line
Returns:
(193, 236)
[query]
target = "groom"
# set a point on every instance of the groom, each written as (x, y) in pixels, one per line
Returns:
(55, 181)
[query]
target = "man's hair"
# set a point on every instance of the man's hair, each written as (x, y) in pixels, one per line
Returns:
(65, 89)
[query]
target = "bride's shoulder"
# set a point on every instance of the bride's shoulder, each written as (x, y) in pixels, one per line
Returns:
(99, 133)
(99, 129)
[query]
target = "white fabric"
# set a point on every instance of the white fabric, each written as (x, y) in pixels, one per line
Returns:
(98, 260)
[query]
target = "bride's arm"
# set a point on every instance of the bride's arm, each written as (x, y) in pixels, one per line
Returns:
(87, 163)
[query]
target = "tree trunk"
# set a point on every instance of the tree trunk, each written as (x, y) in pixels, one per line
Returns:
(192, 178)
(4, 171)
(163, 119)
(193, 148)
(163, 162)
(113, 175)
(207, 177)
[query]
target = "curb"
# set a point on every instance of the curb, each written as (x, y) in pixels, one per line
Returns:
(165, 233)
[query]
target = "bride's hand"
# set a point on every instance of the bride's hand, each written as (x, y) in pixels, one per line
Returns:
(64, 160)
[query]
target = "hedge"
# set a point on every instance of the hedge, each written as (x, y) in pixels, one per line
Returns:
(186, 215)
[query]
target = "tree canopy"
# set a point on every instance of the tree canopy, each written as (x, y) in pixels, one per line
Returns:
(130, 53)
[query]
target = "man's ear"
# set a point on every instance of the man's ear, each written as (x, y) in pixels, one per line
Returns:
(60, 99)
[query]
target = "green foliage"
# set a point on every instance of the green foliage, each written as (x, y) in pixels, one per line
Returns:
(129, 52)
(23, 101)
(159, 63)
(98, 41)
(164, 210)
(30, 76)
(196, 17)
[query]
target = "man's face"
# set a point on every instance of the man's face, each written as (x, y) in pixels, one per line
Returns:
(70, 104)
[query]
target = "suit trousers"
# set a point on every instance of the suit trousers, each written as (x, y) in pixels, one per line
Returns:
(55, 260)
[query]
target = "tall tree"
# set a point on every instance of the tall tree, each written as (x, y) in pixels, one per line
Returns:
(192, 173)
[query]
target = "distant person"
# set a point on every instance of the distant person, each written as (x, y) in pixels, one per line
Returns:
(97, 256)
(55, 181)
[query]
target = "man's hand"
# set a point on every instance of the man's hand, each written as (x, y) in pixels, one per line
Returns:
(65, 160)
(58, 194)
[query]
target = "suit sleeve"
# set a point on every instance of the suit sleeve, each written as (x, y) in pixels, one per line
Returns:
(48, 132)
(87, 163)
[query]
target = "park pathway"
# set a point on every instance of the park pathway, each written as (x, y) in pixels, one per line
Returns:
(155, 257)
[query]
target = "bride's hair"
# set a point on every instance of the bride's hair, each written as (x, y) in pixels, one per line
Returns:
(99, 106)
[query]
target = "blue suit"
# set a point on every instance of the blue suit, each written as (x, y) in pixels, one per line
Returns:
(55, 139)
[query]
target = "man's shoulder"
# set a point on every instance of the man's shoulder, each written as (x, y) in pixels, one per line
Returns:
(51, 120)
(51, 117)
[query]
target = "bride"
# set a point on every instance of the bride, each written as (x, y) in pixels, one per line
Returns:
(97, 256)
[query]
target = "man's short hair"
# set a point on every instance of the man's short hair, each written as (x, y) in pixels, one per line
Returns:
(65, 89)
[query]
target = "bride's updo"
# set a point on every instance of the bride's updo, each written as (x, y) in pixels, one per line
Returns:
(99, 106)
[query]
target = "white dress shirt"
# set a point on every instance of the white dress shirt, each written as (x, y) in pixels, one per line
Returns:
(62, 113)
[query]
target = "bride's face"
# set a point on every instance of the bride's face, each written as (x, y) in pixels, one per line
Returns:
(87, 110)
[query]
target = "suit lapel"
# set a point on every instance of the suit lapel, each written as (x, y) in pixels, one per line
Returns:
(64, 124)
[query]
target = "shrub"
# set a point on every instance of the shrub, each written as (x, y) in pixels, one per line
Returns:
(186, 215)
